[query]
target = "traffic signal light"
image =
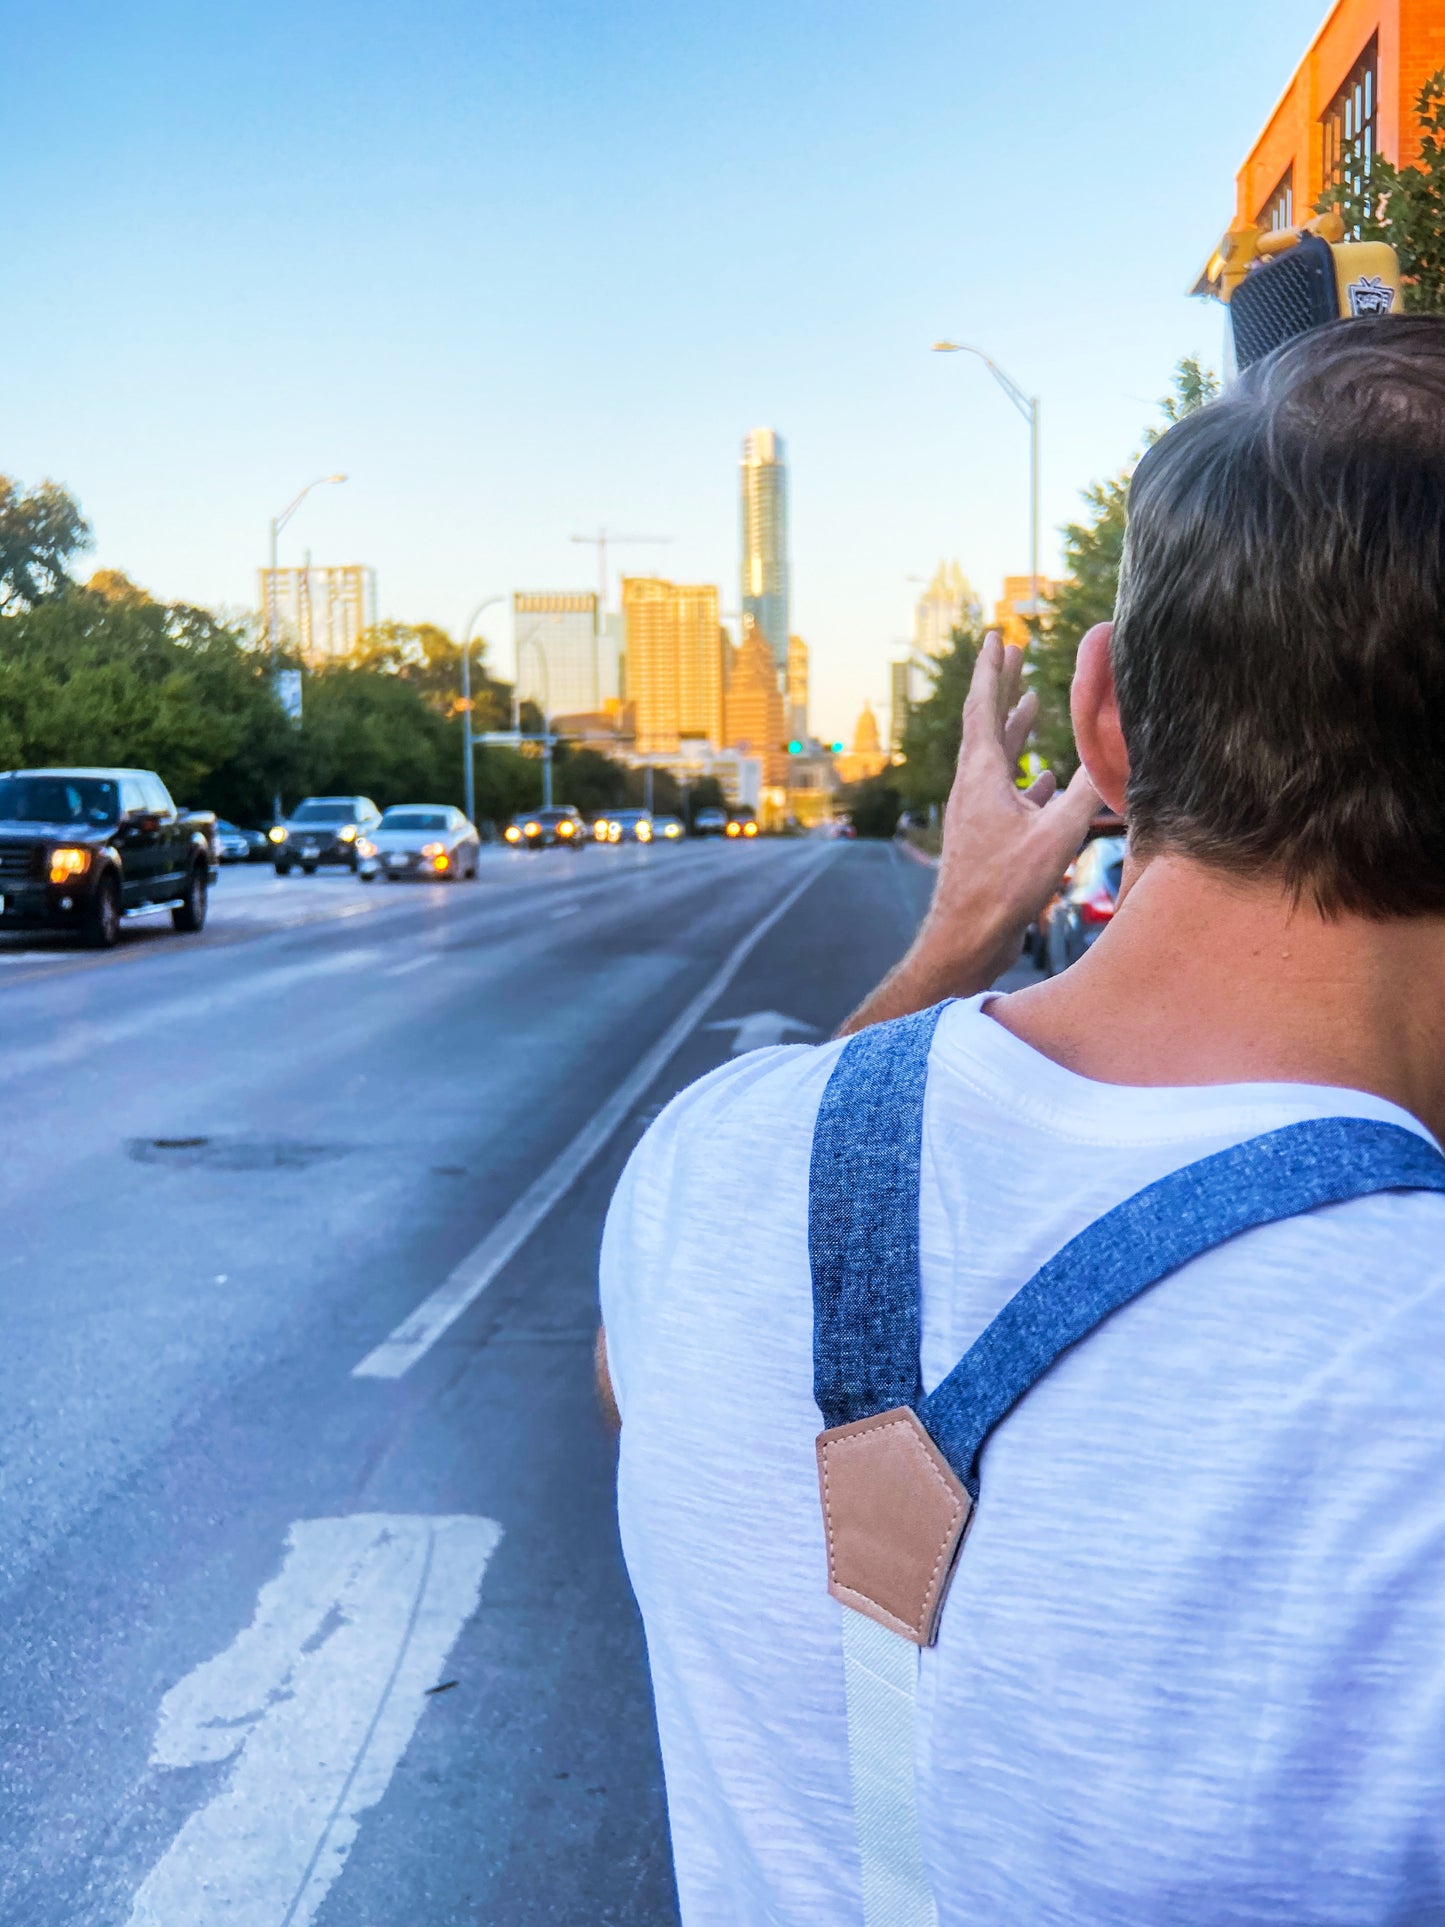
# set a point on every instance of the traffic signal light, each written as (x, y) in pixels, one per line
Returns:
(837, 749)
(795, 748)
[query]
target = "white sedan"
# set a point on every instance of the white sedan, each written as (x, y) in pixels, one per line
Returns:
(428, 840)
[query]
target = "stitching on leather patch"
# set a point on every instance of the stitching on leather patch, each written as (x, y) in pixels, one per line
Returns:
(923, 1628)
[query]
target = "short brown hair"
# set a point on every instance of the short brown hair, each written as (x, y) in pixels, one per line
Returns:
(1279, 644)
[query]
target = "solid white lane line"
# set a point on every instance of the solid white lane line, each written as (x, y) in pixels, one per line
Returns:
(319, 1697)
(416, 1335)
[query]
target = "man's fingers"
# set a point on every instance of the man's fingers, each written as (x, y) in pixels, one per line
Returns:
(982, 699)
(1042, 787)
(1010, 680)
(1020, 721)
(1073, 811)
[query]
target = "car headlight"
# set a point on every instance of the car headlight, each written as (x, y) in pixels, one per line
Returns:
(734, 829)
(365, 847)
(68, 861)
(614, 832)
(512, 833)
(348, 834)
(564, 829)
(672, 830)
(533, 829)
(750, 829)
(433, 849)
(644, 835)
(277, 832)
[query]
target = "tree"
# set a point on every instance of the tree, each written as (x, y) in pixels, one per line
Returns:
(874, 805)
(1405, 206)
(89, 676)
(40, 532)
(934, 727)
(1093, 551)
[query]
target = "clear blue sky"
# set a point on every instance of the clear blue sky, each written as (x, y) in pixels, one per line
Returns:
(520, 269)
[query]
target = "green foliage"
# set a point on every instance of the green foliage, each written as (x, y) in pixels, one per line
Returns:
(1093, 551)
(88, 677)
(40, 533)
(935, 725)
(1405, 206)
(874, 805)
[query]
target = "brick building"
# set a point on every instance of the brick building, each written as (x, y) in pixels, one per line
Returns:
(1350, 98)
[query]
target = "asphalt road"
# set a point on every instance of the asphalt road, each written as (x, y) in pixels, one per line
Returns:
(354, 1128)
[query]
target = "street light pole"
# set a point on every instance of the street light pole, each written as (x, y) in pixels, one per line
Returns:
(531, 640)
(1028, 407)
(273, 638)
(469, 780)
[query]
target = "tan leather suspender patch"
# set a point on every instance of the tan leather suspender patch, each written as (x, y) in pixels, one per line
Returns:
(894, 1515)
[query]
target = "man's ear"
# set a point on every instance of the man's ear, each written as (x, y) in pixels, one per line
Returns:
(1095, 711)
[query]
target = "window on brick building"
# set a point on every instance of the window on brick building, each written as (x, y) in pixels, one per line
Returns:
(1278, 210)
(1348, 125)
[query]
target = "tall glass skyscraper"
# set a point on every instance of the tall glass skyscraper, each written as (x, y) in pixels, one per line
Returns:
(765, 538)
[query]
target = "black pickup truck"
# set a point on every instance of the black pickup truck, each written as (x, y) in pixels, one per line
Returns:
(80, 849)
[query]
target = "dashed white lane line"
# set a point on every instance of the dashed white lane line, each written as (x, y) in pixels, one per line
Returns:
(405, 969)
(567, 910)
(316, 1702)
(416, 1335)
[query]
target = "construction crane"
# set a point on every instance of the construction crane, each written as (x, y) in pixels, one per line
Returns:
(601, 542)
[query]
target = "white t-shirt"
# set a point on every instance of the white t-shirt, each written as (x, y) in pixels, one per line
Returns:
(1192, 1666)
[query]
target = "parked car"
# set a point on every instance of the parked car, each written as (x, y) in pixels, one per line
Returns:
(82, 849)
(667, 829)
(235, 845)
(323, 829)
(419, 840)
(1084, 907)
(1104, 823)
(710, 823)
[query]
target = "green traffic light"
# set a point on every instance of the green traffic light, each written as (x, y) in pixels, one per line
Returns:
(795, 749)
(837, 749)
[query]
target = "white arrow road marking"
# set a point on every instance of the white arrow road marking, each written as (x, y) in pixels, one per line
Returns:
(316, 1700)
(762, 1027)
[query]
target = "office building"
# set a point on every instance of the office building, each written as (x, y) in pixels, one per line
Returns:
(674, 661)
(900, 700)
(756, 720)
(797, 688)
(322, 614)
(948, 603)
(554, 636)
(764, 503)
(1351, 97)
(1017, 597)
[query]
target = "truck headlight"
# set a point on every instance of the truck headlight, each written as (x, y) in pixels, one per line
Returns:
(277, 832)
(68, 860)
(348, 835)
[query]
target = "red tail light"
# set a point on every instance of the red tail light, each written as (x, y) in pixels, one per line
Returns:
(1096, 907)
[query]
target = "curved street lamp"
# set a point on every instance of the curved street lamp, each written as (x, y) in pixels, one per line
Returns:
(273, 640)
(1028, 407)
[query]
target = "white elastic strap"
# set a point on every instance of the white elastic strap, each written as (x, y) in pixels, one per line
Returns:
(881, 1674)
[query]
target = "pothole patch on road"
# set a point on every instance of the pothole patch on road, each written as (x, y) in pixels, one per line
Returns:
(234, 1153)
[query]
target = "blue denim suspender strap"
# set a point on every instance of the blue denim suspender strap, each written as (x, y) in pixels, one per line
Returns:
(899, 1472)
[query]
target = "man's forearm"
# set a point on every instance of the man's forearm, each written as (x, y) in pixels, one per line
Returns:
(925, 976)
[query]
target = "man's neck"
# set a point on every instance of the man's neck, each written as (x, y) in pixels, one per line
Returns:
(1205, 979)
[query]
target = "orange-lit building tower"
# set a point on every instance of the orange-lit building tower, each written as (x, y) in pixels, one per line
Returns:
(1351, 97)
(674, 661)
(756, 720)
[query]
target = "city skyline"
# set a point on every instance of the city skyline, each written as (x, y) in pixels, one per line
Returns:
(478, 342)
